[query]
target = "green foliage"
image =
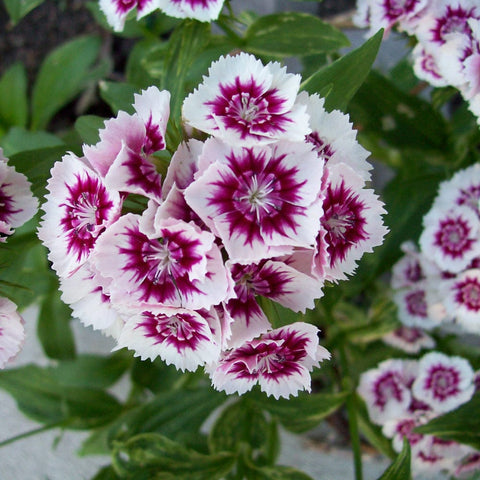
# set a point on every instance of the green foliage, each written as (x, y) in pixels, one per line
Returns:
(400, 468)
(17, 9)
(290, 34)
(13, 97)
(154, 457)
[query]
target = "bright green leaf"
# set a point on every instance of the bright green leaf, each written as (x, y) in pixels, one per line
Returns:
(41, 397)
(400, 468)
(461, 425)
(63, 75)
(119, 96)
(302, 413)
(13, 97)
(291, 34)
(17, 9)
(19, 140)
(155, 457)
(53, 327)
(345, 75)
(88, 126)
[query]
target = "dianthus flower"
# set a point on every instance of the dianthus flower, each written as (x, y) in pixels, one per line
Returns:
(116, 11)
(12, 333)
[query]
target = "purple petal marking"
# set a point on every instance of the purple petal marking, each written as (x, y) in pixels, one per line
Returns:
(443, 381)
(161, 266)
(467, 293)
(154, 139)
(323, 148)
(387, 386)
(454, 238)
(87, 208)
(416, 303)
(7, 210)
(124, 6)
(394, 9)
(257, 196)
(454, 20)
(250, 110)
(182, 330)
(344, 221)
(195, 3)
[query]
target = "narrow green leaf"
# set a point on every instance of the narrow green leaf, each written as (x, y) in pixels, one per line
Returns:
(19, 140)
(345, 75)
(41, 397)
(93, 371)
(400, 468)
(278, 472)
(461, 425)
(119, 96)
(63, 74)
(304, 412)
(13, 97)
(184, 45)
(88, 126)
(17, 9)
(53, 327)
(106, 473)
(291, 34)
(155, 457)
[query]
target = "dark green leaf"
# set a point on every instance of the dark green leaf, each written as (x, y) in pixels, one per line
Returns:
(157, 376)
(17, 9)
(106, 473)
(461, 425)
(302, 413)
(88, 127)
(400, 468)
(279, 472)
(63, 74)
(13, 97)
(19, 140)
(345, 75)
(119, 96)
(53, 328)
(142, 66)
(40, 396)
(291, 34)
(93, 371)
(184, 45)
(401, 119)
(154, 457)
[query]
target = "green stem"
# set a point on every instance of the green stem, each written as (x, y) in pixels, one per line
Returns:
(30, 433)
(351, 404)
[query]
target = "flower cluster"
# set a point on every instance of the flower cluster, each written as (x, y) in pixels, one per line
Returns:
(448, 39)
(403, 394)
(440, 283)
(17, 205)
(116, 11)
(267, 208)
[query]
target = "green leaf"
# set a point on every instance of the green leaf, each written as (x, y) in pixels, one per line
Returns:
(36, 165)
(155, 457)
(302, 413)
(292, 34)
(88, 126)
(344, 76)
(17, 9)
(19, 140)
(63, 75)
(93, 371)
(53, 328)
(119, 96)
(278, 472)
(40, 396)
(401, 119)
(106, 473)
(461, 425)
(13, 97)
(241, 422)
(400, 468)
(184, 45)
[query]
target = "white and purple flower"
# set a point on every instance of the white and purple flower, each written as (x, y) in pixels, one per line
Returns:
(116, 11)
(202, 10)
(243, 102)
(12, 333)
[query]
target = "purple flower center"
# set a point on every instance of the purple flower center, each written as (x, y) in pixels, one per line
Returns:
(249, 109)
(195, 3)
(396, 8)
(87, 207)
(468, 293)
(6, 205)
(442, 381)
(405, 429)
(409, 334)
(124, 6)
(416, 304)
(413, 272)
(323, 148)
(387, 387)
(452, 237)
(343, 220)
(182, 330)
(429, 65)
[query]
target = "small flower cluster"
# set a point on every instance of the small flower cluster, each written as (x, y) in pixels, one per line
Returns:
(17, 206)
(440, 284)
(448, 39)
(270, 206)
(403, 394)
(116, 11)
